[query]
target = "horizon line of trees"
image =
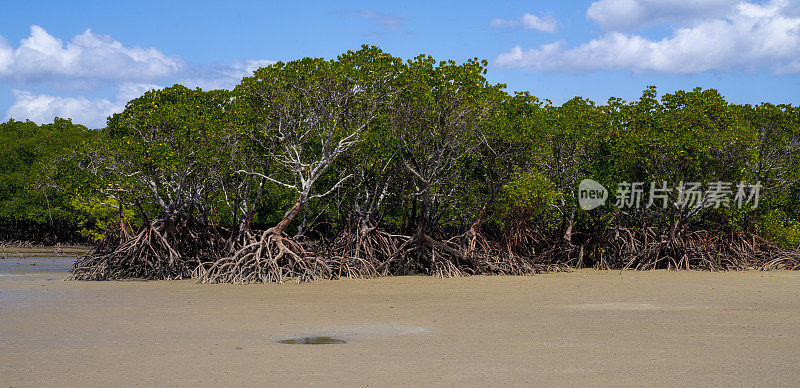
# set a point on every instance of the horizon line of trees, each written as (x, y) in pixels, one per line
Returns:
(417, 161)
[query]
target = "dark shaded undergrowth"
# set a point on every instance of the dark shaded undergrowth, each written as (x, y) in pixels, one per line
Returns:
(182, 248)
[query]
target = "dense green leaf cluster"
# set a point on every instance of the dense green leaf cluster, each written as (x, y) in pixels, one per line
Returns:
(435, 149)
(36, 170)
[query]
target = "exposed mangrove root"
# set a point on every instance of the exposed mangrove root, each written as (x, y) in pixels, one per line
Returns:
(750, 251)
(522, 239)
(421, 254)
(272, 257)
(699, 250)
(470, 253)
(360, 248)
(165, 249)
(645, 249)
(487, 257)
(785, 260)
(176, 248)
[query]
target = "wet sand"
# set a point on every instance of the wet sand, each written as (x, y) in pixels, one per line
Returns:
(43, 251)
(587, 327)
(35, 265)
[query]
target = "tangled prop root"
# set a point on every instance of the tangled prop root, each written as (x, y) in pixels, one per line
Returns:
(705, 251)
(521, 239)
(644, 249)
(360, 248)
(470, 253)
(750, 251)
(422, 254)
(271, 258)
(786, 261)
(163, 249)
(487, 258)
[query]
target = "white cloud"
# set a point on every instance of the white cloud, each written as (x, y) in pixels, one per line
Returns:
(90, 60)
(502, 23)
(632, 15)
(529, 21)
(385, 20)
(6, 56)
(88, 57)
(222, 76)
(246, 68)
(750, 38)
(42, 108)
(129, 90)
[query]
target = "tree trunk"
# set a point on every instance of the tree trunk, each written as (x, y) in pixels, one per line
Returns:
(413, 218)
(473, 229)
(288, 217)
(673, 229)
(570, 222)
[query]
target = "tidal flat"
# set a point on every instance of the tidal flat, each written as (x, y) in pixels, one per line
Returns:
(586, 327)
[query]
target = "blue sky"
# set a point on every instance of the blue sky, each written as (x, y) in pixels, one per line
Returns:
(85, 59)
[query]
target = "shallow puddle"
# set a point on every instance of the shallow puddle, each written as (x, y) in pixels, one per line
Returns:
(35, 265)
(348, 333)
(315, 340)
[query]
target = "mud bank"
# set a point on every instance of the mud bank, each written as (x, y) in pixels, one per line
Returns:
(585, 327)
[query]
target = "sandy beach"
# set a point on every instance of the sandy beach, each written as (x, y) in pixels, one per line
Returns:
(586, 327)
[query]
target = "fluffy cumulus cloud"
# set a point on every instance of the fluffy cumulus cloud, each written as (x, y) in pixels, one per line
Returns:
(42, 108)
(129, 90)
(751, 37)
(632, 15)
(88, 57)
(222, 76)
(529, 21)
(89, 61)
